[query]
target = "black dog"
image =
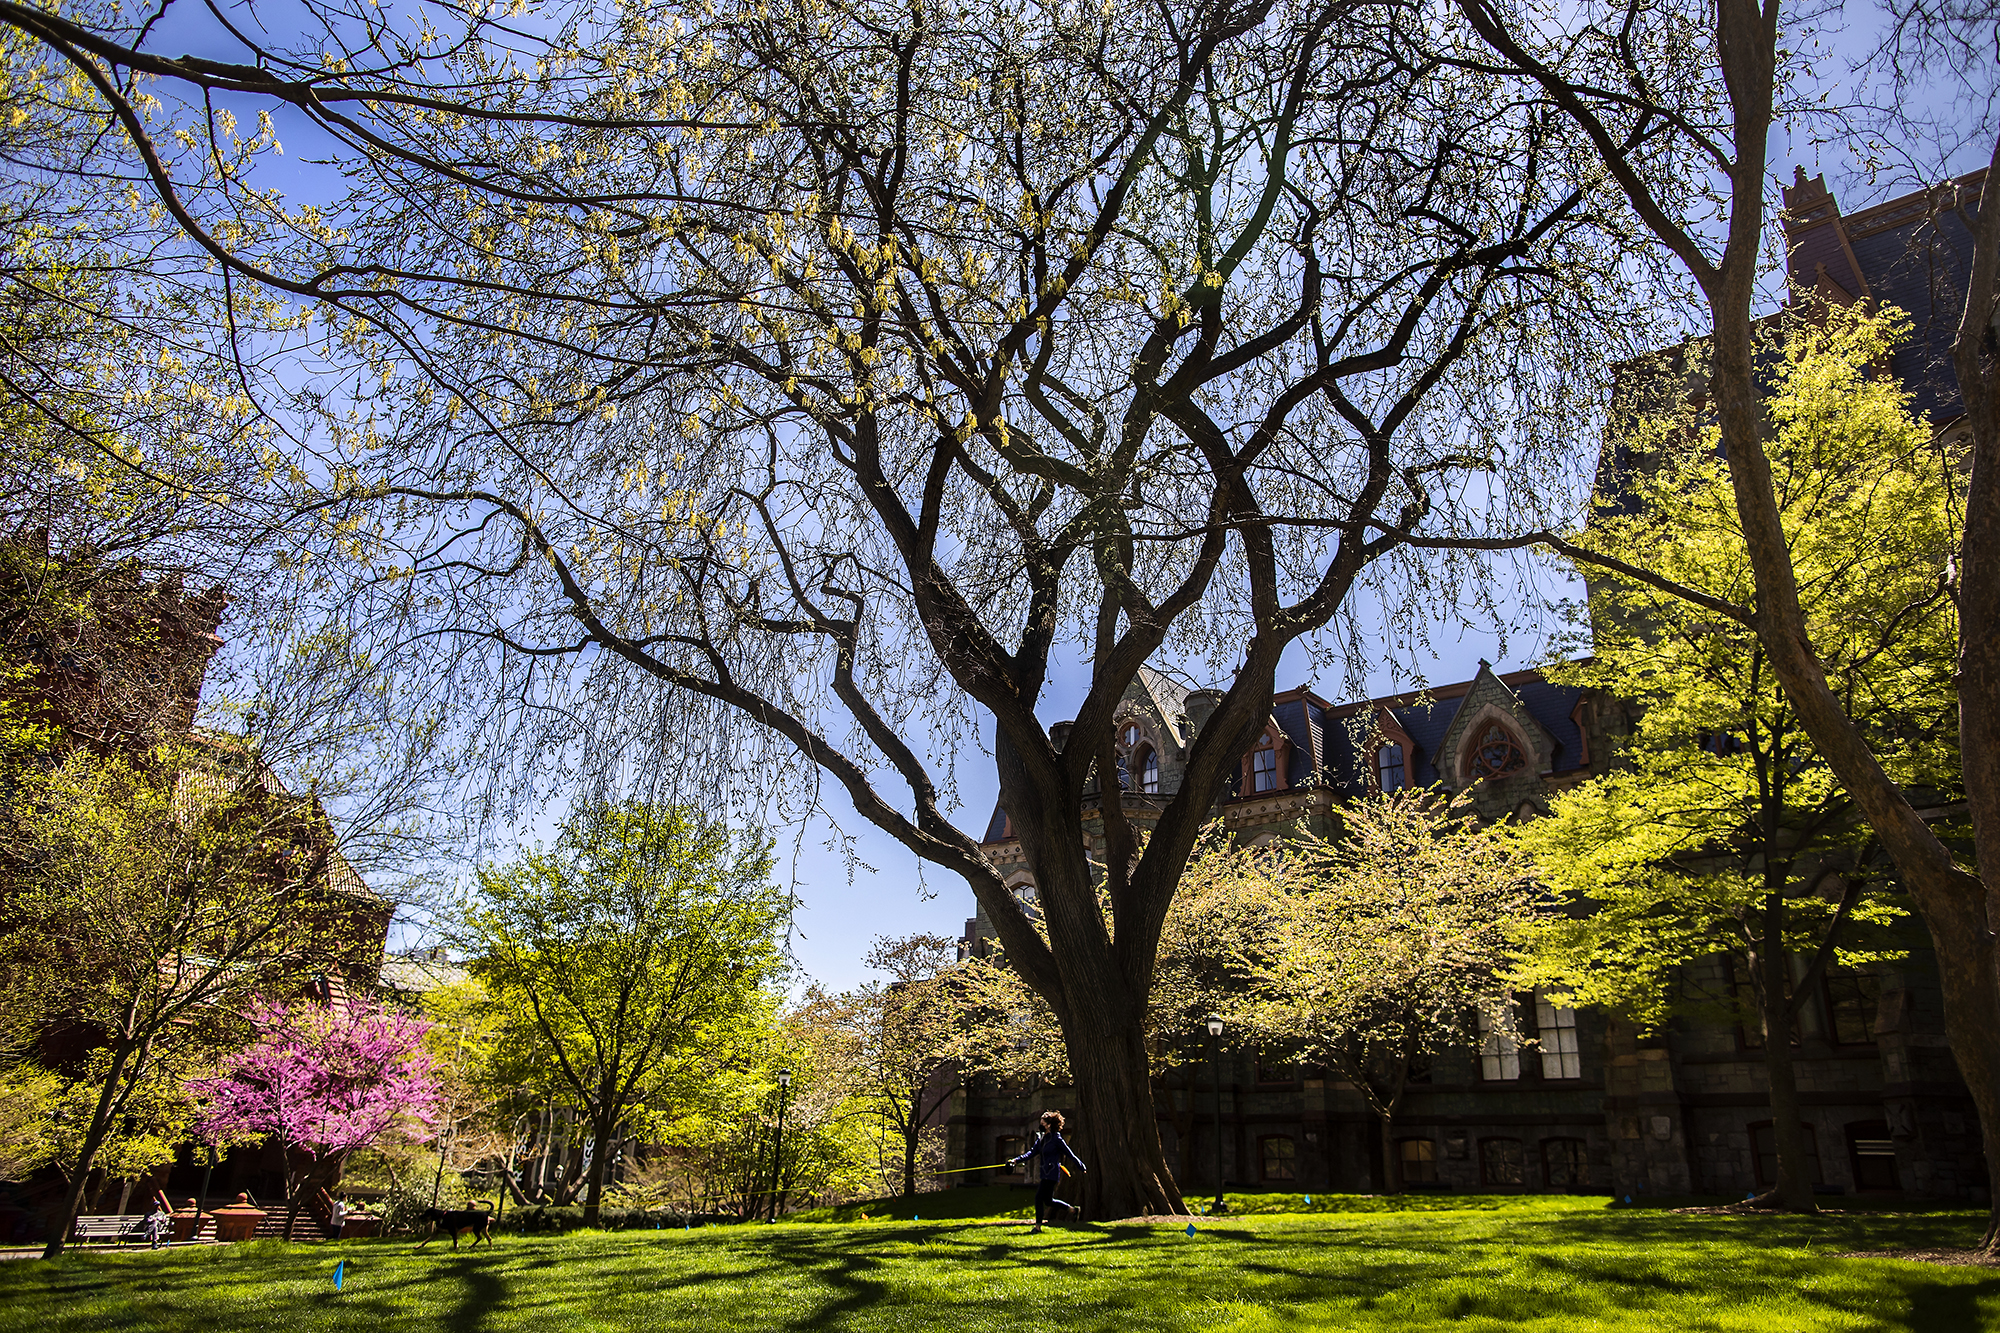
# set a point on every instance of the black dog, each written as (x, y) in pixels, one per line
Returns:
(479, 1221)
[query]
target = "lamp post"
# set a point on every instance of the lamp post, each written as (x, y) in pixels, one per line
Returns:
(1215, 1077)
(778, 1144)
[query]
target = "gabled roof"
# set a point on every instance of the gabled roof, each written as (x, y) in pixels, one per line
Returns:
(1168, 700)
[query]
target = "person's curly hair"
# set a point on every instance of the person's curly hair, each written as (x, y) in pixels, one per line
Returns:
(1052, 1122)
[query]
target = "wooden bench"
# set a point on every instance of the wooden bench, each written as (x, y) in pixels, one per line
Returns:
(110, 1227)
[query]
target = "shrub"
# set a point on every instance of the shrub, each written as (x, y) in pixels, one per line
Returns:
(407, 1199)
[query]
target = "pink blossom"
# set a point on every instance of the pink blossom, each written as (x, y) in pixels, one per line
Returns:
(323, 1080)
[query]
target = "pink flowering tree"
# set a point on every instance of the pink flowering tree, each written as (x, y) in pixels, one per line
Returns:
(322, 1081)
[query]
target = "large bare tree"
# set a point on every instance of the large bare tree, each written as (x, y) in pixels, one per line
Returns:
(829, 374)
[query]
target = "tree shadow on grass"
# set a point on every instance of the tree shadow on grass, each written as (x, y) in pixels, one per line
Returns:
(1937, 1307)
(480, 1292)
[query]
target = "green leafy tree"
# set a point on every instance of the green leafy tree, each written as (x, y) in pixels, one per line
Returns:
(147, 902)
(911, 1039)
(1376, 949)
(624, 956)
(1365, 953)
(1724, 831)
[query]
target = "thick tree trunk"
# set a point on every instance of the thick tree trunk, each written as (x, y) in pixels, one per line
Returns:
(910, 1156)
(1973, 357)
(1116, 1128)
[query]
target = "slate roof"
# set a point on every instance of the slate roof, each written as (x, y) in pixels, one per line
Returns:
(1912, 252)
(1326, 738)
(1428, 718)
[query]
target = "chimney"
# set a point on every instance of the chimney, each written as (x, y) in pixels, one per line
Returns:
(1201, 705)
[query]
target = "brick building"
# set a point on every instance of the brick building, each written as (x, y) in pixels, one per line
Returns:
(1590, 1107)
(115, 662)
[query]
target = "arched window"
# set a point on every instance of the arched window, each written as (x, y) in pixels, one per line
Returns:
(1264, 767)
(1130, 738)
(1148, 766)
(1497, 754)
(1389, 767)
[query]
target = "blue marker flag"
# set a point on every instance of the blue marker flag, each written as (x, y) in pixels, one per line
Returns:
(339, 1272)
(1190, 1231)
(1309, 1199)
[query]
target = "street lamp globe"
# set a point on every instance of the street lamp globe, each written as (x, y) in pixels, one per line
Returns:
(1215, 1025)
(784, 1078)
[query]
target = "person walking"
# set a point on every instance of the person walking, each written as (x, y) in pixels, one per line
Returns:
(1049, 1150)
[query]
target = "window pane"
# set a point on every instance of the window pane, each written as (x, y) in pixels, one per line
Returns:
(1851, 1000)
(1565, 1164)
(1264, 770)
(1499, 1052)
(1389, 767)
(1562, 1057)
(1419, 1161)
(1005, 1147)
(1500, 1162)
(1149, 773)
(1278, 1158)
(1498, 754)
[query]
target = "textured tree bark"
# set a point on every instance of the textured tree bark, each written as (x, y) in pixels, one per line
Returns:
(1951, 901)
(1973, 357)
(601, 1131)
(1117, 1133)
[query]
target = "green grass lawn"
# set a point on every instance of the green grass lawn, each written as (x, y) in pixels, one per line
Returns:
(1536, 1264)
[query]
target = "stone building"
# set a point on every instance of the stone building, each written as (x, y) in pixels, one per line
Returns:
(1588, 1106)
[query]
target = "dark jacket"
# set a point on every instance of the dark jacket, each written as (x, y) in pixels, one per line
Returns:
(1051, 1149)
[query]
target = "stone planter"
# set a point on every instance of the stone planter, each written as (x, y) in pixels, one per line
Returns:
(185, 1226)
(354, 1227)
(238, 1221)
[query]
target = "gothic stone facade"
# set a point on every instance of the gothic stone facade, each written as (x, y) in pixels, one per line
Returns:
(1590, 1107)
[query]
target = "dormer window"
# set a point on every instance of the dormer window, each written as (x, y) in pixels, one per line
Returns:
(1264, 767)
(1497, 754)
(1389, 768)
(1148, 765)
